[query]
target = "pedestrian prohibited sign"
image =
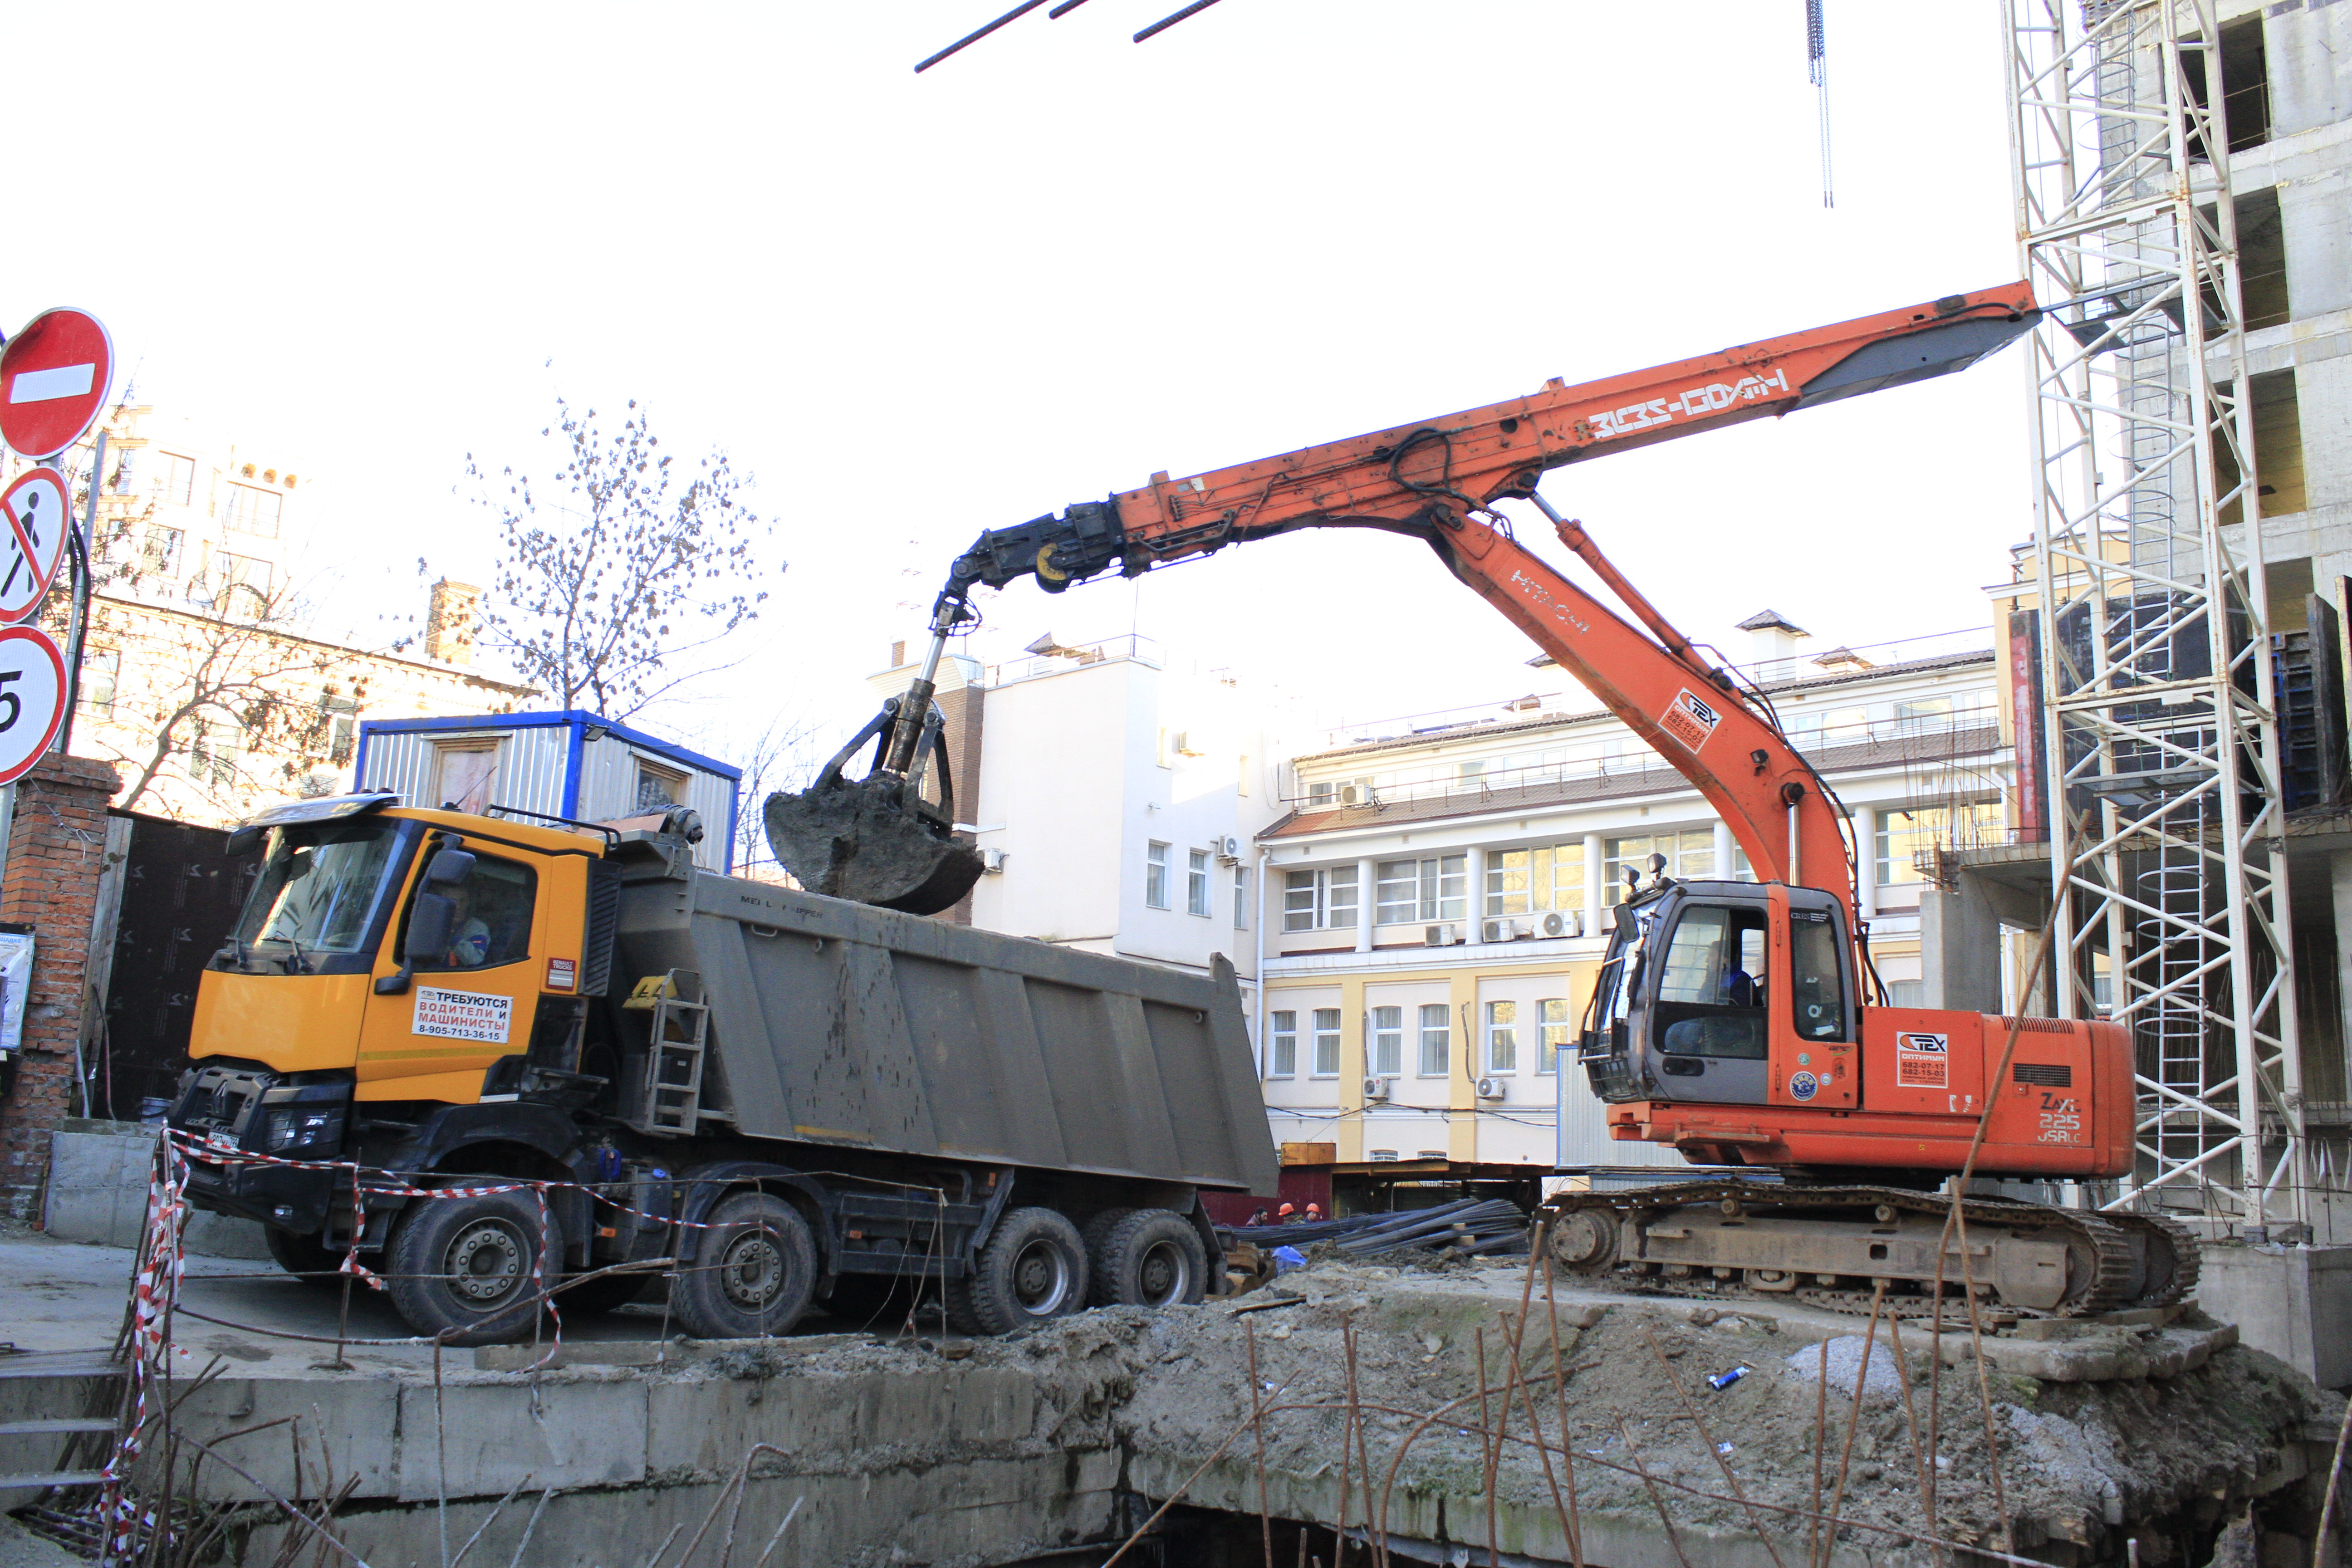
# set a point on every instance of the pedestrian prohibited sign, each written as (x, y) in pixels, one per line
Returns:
(35, 508)
(32, 698)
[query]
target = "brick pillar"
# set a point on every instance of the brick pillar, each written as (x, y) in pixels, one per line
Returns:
(57, 848)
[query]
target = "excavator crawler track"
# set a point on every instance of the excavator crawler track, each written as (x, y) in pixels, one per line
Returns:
(1829, 1245)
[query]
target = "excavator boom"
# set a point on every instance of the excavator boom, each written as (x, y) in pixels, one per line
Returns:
(1439, 480)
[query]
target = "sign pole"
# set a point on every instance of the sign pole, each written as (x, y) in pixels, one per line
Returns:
(78, 543)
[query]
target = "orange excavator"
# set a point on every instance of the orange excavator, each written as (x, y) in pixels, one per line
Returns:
(1737, 1022)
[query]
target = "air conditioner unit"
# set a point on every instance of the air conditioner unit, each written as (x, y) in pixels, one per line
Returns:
(1490, 1088)
(1229, 850)
(991, 861)
(1376, 1089)
(1498, 930)
(1440, 936)
(1563, 922)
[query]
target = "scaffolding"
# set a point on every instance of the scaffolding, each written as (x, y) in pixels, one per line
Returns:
(2156, 728)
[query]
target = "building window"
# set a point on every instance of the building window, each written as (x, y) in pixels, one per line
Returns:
(1535, 880)
(159, 553)
(1196, 883)
(100, 667)
(1282, 1045)
(1319, 900)
(1552, 1027)
(464, 774)
(1240, 897)
(215, 752)
(1434, 890)
(1690, 853)
(1388, 1041)
(1326, 1042)
(342, 717)
(1502, 1036)
(658, 789)
(1914, 992)
(177, 482)
(1155, 875)
(1436, 1039)
(251, 509)
(1905, 836)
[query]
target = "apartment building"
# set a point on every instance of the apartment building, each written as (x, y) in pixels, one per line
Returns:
(1438, 892)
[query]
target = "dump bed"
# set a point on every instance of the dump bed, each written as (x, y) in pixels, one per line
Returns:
(840, 1024)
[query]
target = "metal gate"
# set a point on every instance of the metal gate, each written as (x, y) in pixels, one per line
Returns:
(176, 896)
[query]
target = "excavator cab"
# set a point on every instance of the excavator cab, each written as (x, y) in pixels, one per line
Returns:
(1725, 993)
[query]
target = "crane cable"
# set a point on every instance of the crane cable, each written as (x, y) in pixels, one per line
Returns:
(1817, 71)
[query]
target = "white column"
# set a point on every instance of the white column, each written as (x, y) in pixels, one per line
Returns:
(1723, 861)
(1594, 893)
(1364, 911)
(1865, 838)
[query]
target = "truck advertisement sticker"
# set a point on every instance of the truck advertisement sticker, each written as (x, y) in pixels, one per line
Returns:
(1923, 1061)
(463, 1015)
(1689, 720)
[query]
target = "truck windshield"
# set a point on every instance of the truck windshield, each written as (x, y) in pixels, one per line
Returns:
(321, 889)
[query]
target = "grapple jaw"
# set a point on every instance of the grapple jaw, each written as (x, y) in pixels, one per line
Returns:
(860, 839)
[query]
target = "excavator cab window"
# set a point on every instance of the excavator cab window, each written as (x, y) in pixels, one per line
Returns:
(1817, 970)
(1605, 1046)
(1711, 995)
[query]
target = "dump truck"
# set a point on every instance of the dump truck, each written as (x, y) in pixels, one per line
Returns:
(486, 1057)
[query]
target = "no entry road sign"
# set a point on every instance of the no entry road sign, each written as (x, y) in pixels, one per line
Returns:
(54, 378)
(35, 506)
(32, 698)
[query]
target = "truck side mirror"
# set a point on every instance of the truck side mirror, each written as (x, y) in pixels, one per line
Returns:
(243, 841)
(446, 869)
(431, 918)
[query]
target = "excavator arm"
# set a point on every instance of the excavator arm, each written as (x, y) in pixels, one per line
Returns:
(1440, 480)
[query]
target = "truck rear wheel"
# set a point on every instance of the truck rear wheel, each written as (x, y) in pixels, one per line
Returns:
(1097, 1235)
(1032, 1271)
(463, 1267)
(1152, 1258)
(753, 1274)
(306, 1259)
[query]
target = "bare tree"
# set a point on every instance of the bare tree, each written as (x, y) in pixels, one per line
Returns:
(620, 567)
(245, 703)
(782, 756)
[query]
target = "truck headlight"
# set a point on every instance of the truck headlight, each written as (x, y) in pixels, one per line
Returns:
(301, 1129)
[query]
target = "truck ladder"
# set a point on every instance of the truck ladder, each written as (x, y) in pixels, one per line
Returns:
(669, 1097)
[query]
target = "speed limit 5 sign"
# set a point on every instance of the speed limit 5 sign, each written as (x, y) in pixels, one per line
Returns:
(32, 698)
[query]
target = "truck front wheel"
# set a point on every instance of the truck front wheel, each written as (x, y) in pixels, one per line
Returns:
(464, 1268)
(1033, 1270)
(1152, 1258)
(753, 1273)
(304, 1258)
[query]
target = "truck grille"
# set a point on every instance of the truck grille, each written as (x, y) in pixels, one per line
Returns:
(221, 1098)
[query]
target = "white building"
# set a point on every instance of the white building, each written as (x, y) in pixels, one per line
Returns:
(1118, 795)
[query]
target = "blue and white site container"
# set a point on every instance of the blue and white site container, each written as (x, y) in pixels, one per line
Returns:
(570, 765)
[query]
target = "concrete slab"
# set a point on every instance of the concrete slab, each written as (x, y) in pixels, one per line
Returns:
(489, 1437)
(96, 1192)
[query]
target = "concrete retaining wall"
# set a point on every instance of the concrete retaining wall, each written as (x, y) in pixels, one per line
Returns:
(98, 1192)
(2293, 1301)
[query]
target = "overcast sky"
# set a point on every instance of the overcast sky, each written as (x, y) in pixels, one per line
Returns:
(915, 307)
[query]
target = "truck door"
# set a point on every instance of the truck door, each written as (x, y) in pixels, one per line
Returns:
(467, 1004)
